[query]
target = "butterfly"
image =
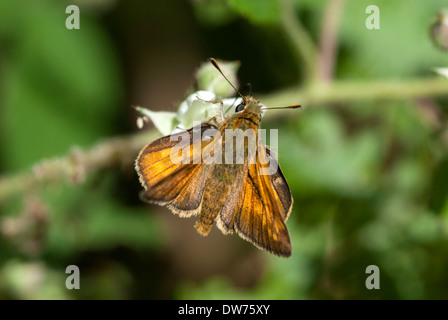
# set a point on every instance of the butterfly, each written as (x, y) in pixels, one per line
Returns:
(240, 196)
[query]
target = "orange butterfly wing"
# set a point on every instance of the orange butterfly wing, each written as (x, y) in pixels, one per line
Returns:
(260, 214)
(178, 185)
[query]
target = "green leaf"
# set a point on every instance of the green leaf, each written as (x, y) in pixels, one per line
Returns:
(60, 85)
(258, 12)
(213, 12)
(324, 158)
(164, 121)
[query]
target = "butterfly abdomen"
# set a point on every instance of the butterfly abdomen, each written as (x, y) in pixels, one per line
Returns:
(221, 193)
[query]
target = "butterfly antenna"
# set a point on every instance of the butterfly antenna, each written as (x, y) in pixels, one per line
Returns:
(215, 64)
(293, 106)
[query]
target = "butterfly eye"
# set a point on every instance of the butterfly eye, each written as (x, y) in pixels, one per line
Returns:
(239, 107)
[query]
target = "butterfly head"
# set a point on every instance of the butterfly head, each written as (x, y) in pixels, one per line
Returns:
(249, 104)
(249, 108)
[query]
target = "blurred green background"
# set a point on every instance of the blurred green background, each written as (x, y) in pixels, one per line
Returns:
(369, 175)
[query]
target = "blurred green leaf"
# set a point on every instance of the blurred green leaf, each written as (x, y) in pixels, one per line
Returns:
(96, 223)
(402, 27)
(33, 281)
(60, 85)
(324, 158)
(213, 12)
(258, 12)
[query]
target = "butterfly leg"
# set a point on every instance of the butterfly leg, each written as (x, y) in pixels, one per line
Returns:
(220, 116)
(221, 112)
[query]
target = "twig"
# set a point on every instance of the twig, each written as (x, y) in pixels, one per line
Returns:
(328, 40)
(76, 165)
(352, 91)
(300, 39)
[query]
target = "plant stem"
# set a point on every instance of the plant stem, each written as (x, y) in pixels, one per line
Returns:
(300, 39)
(328, 40)
(123, 150)
(76, 165)
(351, 91)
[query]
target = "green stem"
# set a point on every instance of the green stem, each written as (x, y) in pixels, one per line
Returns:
(352, 91)
(300, 39)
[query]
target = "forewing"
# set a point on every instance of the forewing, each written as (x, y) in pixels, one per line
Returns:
(178, 185)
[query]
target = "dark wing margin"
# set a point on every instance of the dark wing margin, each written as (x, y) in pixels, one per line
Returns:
(281, 187)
